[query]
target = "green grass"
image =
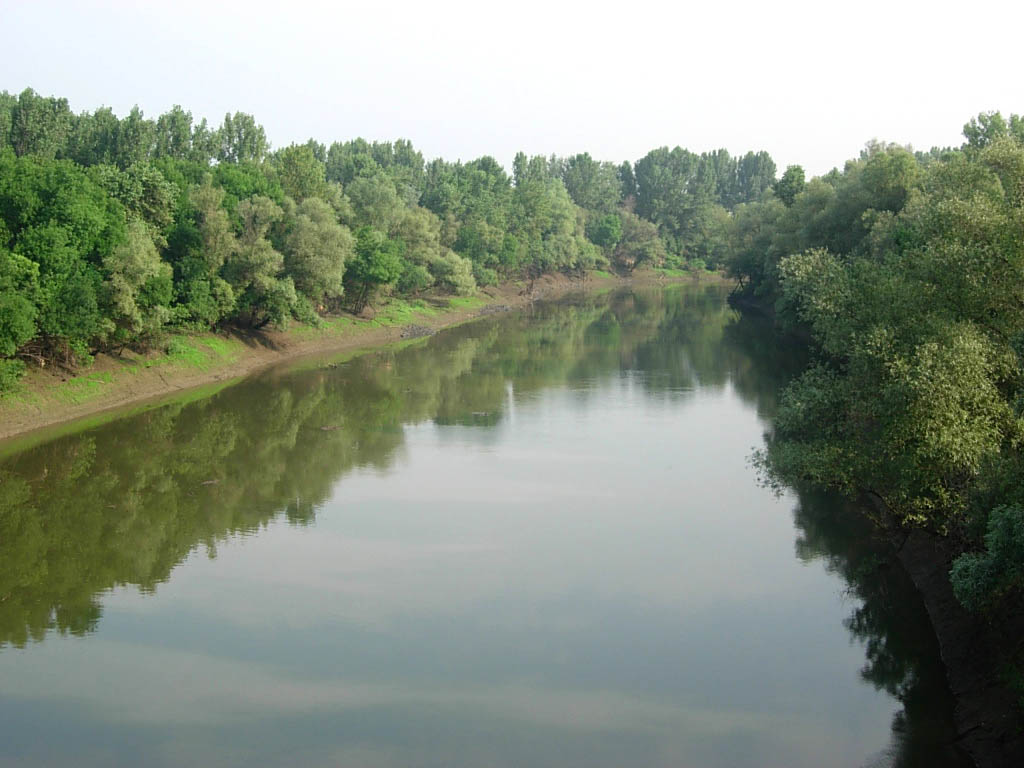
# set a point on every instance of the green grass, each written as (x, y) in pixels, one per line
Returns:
(207, 352)
(466, 302)
(200, 353)
(394, 312)
(602, 274)
(403, 312)
(81, 389)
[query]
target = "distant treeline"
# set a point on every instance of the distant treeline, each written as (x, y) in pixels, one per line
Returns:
(908, 272)
(116, 230)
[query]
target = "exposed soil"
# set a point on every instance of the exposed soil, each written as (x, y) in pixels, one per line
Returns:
(42, 400)
(990, 725)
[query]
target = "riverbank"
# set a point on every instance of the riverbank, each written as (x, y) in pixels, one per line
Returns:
(981, 655)
(50, 400)
(976, 653)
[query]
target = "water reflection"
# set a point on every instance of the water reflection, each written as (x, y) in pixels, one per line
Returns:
(445, 628)
(124, 503)
(888, 617)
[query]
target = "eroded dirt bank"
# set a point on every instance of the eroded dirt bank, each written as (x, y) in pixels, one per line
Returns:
(990, 727)
(58, 397)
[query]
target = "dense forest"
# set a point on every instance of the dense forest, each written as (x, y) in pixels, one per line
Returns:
(906, 273)
(117, 230)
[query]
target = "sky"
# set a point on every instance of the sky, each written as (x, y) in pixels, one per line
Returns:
(810, 82)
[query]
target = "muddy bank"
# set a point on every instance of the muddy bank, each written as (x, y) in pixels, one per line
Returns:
(990, 726)
(975, 651)
(50, 397)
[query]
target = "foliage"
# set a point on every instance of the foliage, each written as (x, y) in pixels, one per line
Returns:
(981, 578)
(606, 231)
(790, 184)
(317, 247)
(377, 262)
(906, 272)
(115, 229)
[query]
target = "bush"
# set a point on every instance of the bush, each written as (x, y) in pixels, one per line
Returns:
(10, 372)
(484, 275)
(415, 278)
(980, 578)
(454, 273)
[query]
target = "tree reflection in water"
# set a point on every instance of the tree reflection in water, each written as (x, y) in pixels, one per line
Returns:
(124, 503)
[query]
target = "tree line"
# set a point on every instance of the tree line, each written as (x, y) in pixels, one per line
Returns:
(906, 270)
(117, 230)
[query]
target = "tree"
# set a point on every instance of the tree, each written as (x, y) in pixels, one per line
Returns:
(639, 244)
(317, 248)
(755, 173)
(144, 192)
(790, 185)
(39, 125)
(19, 282)
(989, 127)
(7, 106)
(53, 215)
(173, 134)
(137, 289)
(980, 579)
(136, 139)
(377, 262)
(241, 139)
(627, 184)
(606, 231)
(451, 271)
(255, 270)
(93, 138)
(300, 174)
(591, 185)
(201, 243)
(375, 201)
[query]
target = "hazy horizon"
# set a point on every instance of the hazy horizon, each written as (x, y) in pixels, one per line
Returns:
(809, 85)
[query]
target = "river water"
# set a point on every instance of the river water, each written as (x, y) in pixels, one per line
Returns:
(534, 540)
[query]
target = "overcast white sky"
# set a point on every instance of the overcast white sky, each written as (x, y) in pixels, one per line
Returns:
(810, 82)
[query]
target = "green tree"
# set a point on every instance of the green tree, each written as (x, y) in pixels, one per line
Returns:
(592, 185)
(39, 125)
(173, 134)
(137, 290)
(790, 184)
(755, 173)
(263, 293)
(639, 244)
(241, 139)
(317, 248)
(377, 262)
(136, 139)
(606, 231)
(93, 138)
(19, 283)
(299, 172)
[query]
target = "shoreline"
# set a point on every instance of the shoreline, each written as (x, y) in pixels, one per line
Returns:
(51, 402)
(986, 715)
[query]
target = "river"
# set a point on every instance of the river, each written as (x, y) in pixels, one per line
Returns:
(534, 540)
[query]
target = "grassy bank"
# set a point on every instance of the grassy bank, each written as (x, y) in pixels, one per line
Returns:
(115, 384)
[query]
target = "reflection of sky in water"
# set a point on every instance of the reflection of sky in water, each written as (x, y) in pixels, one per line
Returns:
(596, 580)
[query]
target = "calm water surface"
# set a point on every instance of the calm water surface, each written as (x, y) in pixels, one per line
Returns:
(536, 540)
